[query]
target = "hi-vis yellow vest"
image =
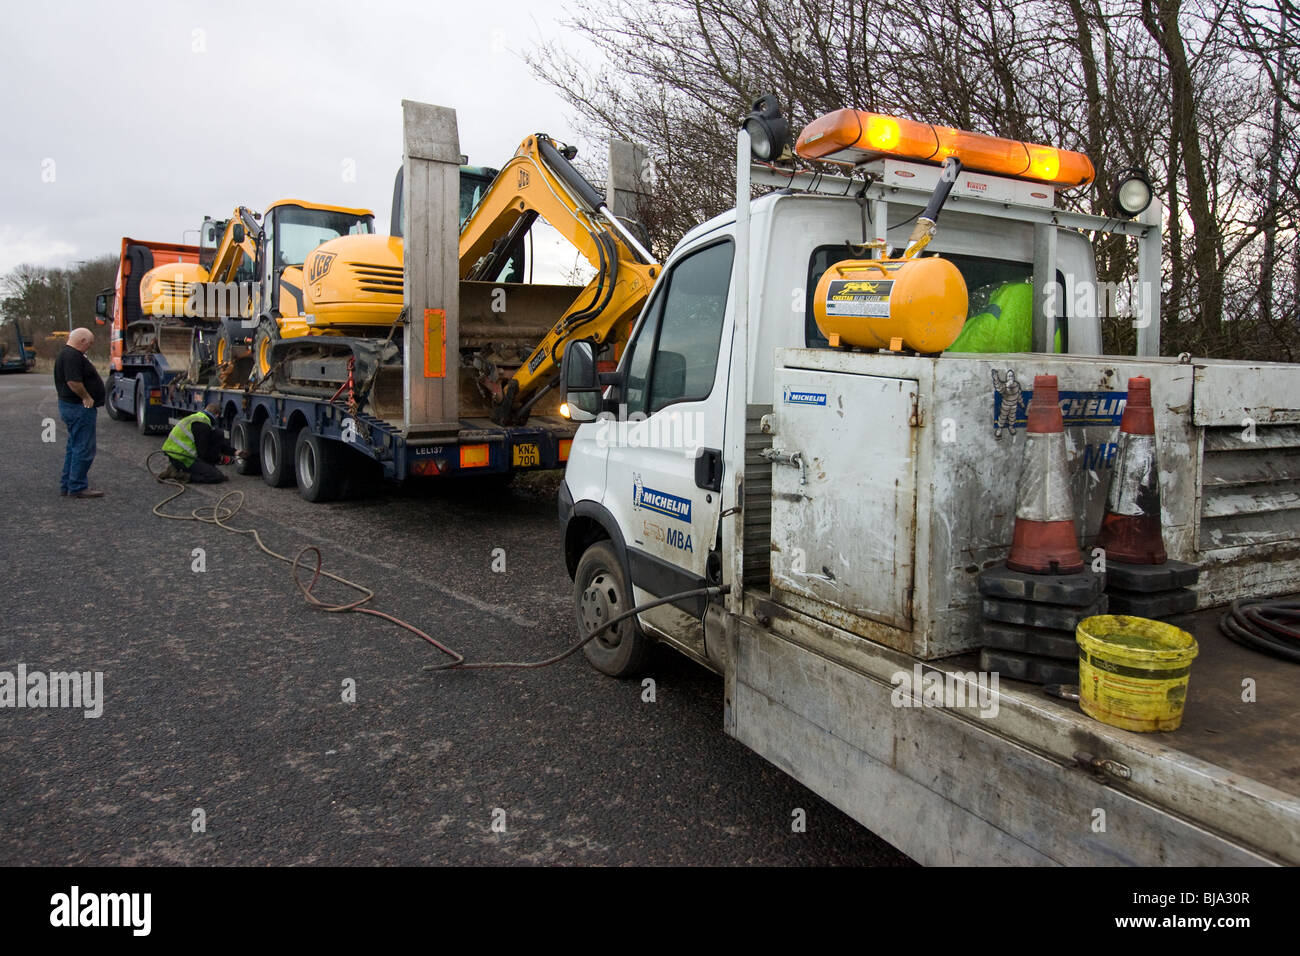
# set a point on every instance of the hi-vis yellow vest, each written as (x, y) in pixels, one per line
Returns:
(180, 442)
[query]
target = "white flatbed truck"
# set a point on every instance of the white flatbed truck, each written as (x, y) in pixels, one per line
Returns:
(848, 499)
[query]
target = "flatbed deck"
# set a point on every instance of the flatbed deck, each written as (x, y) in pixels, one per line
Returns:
(1259, 740)
(1223, 788)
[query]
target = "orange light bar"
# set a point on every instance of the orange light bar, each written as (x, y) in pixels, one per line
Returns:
(855, 136)
(565, 445)
(473, 456)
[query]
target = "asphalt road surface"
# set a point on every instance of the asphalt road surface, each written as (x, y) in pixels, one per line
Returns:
(225, 737)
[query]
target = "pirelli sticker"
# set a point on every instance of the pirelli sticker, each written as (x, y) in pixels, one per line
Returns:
(859, 298)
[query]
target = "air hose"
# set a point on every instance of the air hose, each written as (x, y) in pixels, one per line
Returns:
(1265, 625)
(220, 513)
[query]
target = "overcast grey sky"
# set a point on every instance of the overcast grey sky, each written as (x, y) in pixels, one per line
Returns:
(139, 118)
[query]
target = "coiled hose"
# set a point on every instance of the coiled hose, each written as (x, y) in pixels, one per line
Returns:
(1264, 625)
(220, 513)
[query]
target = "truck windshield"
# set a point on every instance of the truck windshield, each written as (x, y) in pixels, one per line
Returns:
(302, 230)
(982, 275)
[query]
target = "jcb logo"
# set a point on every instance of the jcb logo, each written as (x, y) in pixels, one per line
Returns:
(320, 264)
(523, 179)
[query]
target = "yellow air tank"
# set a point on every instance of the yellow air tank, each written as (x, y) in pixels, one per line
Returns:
(917, 304)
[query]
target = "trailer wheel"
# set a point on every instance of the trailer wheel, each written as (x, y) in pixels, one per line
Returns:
(110, 406)
(318, 466)
(244, 435)
(601, 592)
(362, 475)
(276, 455)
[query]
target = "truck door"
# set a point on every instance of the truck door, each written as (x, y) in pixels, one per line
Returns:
(664, 465)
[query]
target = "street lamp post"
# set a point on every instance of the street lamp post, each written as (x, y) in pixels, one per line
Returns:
(67, 286)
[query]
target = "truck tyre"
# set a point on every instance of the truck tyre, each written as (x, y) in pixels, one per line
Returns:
(601, 592)
(110, 407)
(318, 466)
(275, 454)
(142, 407)
(244, 435)
(362, 475)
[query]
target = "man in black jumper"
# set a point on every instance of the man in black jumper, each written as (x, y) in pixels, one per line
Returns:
(81, 393)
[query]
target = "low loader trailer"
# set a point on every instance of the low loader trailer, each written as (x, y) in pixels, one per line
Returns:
(819, 509)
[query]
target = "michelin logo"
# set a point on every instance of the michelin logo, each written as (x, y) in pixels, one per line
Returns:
(794, 396)
(660, 502)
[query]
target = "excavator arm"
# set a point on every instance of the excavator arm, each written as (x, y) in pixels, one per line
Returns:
(541, 181)
(238, 242)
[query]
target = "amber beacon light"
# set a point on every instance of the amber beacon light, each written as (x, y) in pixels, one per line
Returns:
(855, 136)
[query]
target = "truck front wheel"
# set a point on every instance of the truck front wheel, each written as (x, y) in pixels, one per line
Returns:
(601, 591)
(142, 407)
(110, 406)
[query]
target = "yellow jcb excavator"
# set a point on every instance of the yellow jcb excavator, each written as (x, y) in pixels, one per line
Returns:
(514, 371)
(256, 287)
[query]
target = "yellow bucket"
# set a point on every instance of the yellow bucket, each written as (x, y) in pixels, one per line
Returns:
(1133, 671)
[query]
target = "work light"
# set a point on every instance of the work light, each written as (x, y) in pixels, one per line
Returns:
(1133, 192)
(768, 130)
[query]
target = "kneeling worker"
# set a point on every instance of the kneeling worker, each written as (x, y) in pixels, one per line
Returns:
(196, 446)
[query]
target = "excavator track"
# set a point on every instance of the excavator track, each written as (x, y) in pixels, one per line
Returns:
(363, 370)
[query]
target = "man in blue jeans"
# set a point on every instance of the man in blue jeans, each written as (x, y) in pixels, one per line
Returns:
(81, 393)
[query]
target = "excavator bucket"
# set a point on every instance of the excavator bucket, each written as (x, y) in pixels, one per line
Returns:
(235, 373)
(176, 344)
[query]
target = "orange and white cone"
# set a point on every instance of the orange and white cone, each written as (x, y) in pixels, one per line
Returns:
(1131, 530)
(1044, 541)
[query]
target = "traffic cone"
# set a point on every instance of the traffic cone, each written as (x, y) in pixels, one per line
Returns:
(1044, 541)
(1131, 532)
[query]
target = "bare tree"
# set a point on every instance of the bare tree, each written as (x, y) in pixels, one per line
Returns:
(1200, 93)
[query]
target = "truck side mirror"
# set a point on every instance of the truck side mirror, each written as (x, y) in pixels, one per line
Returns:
(101, 309)
(238, 233)
(579, 367)
(581, 380)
